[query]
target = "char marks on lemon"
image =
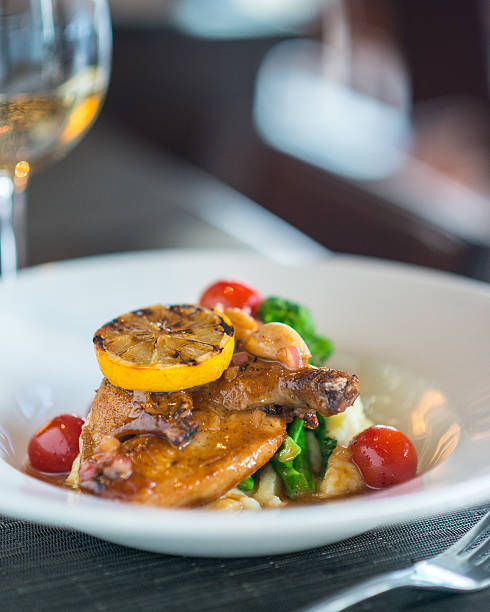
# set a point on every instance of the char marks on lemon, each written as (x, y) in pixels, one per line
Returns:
(164, 348)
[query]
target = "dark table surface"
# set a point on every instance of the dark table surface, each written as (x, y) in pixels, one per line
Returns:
(114, 194)
(53, 570)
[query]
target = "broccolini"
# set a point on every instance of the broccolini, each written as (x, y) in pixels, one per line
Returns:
(296, 474)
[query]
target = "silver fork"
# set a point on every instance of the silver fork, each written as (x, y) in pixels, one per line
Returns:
(459, 568)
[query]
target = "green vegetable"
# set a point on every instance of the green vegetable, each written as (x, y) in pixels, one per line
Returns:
(289, 450)
(321, 348)
(296, 474)
(326, 443)
(247, 485)
(278, 310)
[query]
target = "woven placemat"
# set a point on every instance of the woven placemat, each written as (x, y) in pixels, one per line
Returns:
(48, 569)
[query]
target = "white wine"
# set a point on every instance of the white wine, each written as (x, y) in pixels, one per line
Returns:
(38, 127)
(55, 61)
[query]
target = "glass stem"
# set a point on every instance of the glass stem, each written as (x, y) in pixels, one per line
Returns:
(8, 246)
(20, 221)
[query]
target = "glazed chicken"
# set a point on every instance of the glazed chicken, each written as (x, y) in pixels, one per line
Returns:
(226, 447)
(190, 447)
(301, 392)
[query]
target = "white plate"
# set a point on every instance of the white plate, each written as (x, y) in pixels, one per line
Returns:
(418, 339)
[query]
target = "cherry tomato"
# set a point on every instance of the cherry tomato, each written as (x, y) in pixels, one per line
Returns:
(384, 455)
(232, 295)
(54, 447)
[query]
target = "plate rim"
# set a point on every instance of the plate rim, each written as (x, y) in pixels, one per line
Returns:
(383, 264)
(476, 490)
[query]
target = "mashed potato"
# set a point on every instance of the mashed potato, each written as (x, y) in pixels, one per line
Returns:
(343, 427)
(341, 477)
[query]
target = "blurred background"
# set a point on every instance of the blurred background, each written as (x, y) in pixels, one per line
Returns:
(363, 124)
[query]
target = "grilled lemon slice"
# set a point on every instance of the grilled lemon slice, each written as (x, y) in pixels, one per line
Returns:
(165, 348)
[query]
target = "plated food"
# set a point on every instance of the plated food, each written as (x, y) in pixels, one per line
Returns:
(225, 404)
(393, 326)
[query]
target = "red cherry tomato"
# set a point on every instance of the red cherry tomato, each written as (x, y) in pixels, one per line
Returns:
(384, 455)
(232, 295)
(54, 447)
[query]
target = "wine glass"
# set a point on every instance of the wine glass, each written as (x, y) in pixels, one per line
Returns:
(55, 58)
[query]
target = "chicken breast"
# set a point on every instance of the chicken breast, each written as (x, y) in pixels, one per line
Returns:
(224, 449)
(190, 447)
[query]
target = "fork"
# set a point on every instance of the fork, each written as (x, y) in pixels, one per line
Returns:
(461, 567)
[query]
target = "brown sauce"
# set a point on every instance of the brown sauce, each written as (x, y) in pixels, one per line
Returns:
(314, 499)
(58, 480)
(54, 479)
